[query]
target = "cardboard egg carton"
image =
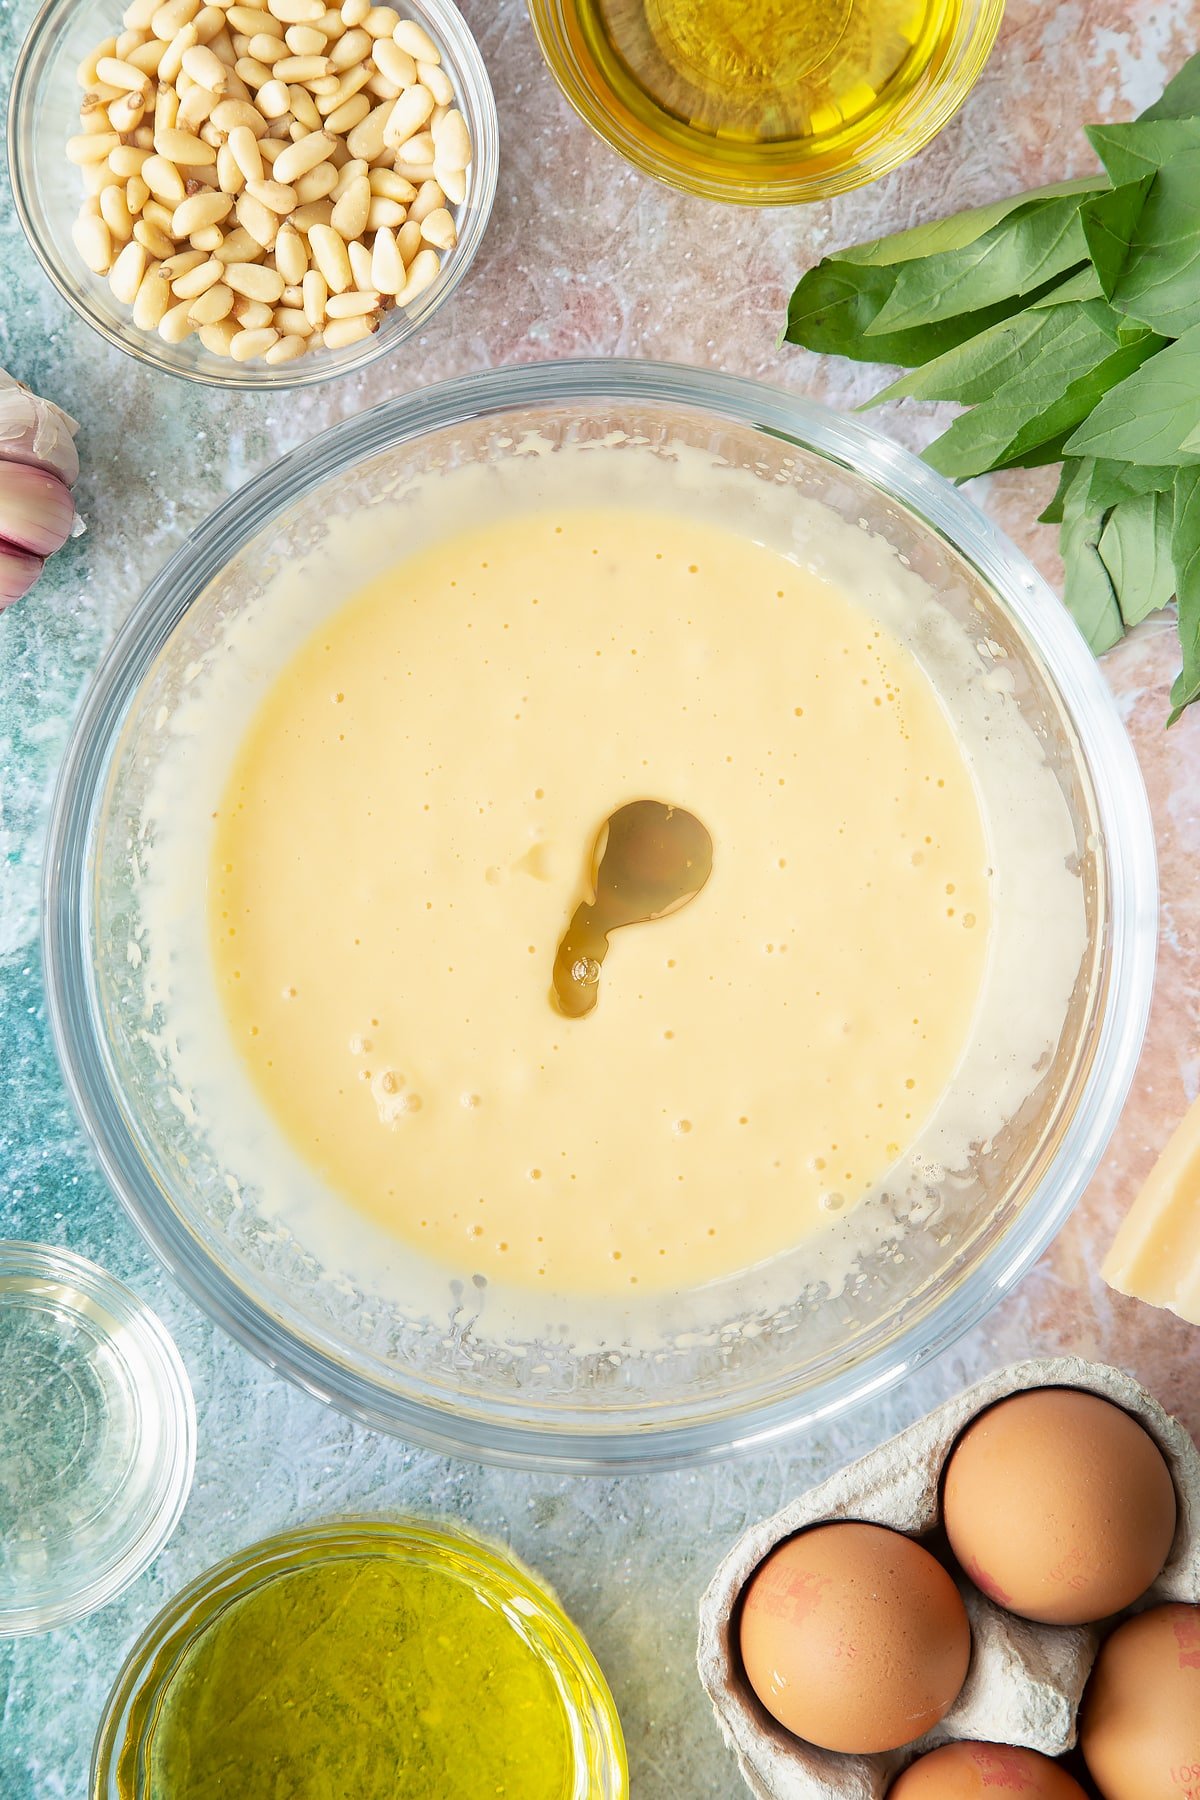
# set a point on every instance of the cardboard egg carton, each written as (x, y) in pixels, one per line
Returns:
(1025, 1681)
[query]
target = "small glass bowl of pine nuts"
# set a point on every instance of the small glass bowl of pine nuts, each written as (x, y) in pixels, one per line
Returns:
(253, 193)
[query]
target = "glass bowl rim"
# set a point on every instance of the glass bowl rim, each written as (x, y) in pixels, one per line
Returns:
(147, 1534)
(972, 51)
(479, 103)
(1125, 825)
(495, 1566)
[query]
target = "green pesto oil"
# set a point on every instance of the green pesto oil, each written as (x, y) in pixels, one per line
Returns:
(361, 1678)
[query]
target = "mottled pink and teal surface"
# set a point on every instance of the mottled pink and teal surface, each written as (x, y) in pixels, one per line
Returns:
(584, 257)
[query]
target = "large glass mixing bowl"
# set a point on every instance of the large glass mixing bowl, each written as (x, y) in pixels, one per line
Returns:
(557, 1402)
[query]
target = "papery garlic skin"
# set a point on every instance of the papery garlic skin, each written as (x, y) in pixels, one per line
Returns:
(36, 509)
(36, 431)
(19, 569)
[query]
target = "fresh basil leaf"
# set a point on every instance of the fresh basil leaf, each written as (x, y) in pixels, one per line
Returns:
(1180, 99)
(1088, 591)
(1185, 548)
(1135, 547)
(1135, 147)
(1054, 511)
(1084, 284)
(1073, 364)
(960, 229)
(1160, 282)
(1041, 243)
(1113, 482)
(834, 304)
(1150, 415)
(973, 371)
(1037, 456)
(1109, 222)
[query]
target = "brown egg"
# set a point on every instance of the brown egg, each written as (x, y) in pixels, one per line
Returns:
(854, 1637)
(1059, 1506)
(984, 1772)
(1140, 1729)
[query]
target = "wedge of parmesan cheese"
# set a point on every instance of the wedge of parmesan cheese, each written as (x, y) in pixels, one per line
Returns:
(1156, 1255)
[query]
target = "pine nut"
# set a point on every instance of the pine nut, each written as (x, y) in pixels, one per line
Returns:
(231, 114)
(429, 198)
(423, 272)
(354, 12)
(152, 300)
(136, 193)
(164, 180)
(316, 296)
(350, 170)
(452, 141)
(330, 253)
(252, 315)
(408, 115)
(148, 57)
(217, 338)
(453, 181)
(330, 24)
(257, 219)
(360, 264)
(197, 281)
(95, 178)
(122, 75)
(297, 12)
(243, 147)
(292, 296)
(239, 246)
(354, 81)
(305, 217)
(114, 210)
(300, 157)
(229, 173)
(408, 242)
(305, 40)
(213, 305)
(352, 304)
(302, 68)
(285, 349)
(416, 40)
(303, 108)
(126, 114)
(249, 19)
(435, 78)
(175, 325)
(170, 63)
(291, 322)
(417, 151)
(390, 186)
(92, 147)
(255, 281)
(125, 276)
(166, 108)
(380, 88)
(199, 210)
(325, 87)
(93, 242)
(181, 262)
(388, 273)
(138, 14)
(341, 333)
(206, 67)
(246, 345)
(275, 195)
(395, 63)
(183, 147)
(351, 113)
(155, 242)
(352, 48)
(381, 21)
(160, 216)
(170, 19)
(125, 161)
(317, 183)
(273, 99)
(366, 139)
(195, 108)
(291, 258)
(438, 228)
(381, 213)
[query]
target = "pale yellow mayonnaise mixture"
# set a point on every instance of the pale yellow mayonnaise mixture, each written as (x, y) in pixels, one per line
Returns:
(408, 827)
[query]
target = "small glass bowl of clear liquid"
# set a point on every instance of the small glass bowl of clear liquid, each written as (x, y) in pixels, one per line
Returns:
(97, 1437)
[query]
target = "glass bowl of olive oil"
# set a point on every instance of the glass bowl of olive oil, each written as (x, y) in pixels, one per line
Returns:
(370, 1657)
(766, 102)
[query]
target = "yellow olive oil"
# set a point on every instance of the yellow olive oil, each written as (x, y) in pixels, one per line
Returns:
(764, 85)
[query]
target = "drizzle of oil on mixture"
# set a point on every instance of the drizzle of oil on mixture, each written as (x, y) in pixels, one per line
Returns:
(411, 821)
(766, 72)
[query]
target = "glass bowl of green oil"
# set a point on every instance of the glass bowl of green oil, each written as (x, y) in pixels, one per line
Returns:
(766, 102)
(369, 1657)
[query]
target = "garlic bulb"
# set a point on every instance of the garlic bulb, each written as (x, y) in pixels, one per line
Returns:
(38, 465)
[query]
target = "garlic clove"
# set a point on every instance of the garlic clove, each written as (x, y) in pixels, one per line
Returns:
(18, 572)
(36, 509)
(36, 431)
